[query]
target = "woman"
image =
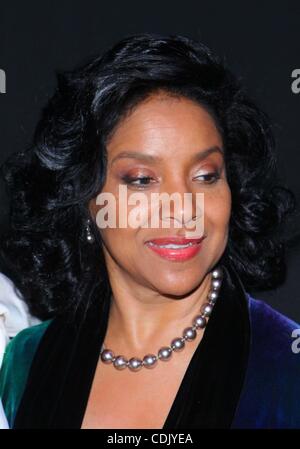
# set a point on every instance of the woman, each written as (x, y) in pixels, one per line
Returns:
(149, 327)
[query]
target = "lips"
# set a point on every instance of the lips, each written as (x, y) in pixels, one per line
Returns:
(175, 248)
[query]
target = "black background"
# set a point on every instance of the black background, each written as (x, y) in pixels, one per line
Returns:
(260, 40)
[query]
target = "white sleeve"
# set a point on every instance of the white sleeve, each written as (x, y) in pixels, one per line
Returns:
(14, 315)
(4, 339)
(3, 420)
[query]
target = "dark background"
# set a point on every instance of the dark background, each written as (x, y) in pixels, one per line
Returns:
(260, 40)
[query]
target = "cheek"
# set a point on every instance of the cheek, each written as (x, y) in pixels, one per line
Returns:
(119, 244)
(128, 211)
(115, 239)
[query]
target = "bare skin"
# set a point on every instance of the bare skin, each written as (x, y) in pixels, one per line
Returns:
(154, 299)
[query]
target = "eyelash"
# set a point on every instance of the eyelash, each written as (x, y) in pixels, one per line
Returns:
(130, 180)
(215, 175)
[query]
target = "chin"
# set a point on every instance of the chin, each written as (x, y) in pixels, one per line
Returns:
(177, 287)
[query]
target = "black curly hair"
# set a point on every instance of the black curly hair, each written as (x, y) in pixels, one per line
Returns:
(51, 183)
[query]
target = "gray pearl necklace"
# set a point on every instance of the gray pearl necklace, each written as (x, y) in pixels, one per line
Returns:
(177, 344)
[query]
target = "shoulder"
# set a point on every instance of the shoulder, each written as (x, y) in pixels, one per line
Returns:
(27, 339)
(271, 390)
(260, 309)
(272, 328)
(17, 361)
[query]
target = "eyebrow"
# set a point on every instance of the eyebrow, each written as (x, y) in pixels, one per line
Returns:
(199, 156)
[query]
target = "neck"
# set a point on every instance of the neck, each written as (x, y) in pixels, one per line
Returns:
(142, 319)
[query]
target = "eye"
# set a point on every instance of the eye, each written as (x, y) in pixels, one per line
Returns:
(208, 178)
(140, 182)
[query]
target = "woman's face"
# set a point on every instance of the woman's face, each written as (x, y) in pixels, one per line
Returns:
(170, 145)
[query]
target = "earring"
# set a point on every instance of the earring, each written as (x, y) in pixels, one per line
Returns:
(89, 236)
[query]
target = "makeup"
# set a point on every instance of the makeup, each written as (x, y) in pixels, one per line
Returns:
(177, 249)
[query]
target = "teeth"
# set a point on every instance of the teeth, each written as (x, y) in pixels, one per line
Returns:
(172, 245)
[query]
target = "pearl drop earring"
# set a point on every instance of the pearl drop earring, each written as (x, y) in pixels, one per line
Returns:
(89, 236)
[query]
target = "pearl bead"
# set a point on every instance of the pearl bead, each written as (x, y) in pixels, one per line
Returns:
(217, 273)
(213, 296)
(107, 356)
(189, 333)
(135, 364)
(165, 353)
(216, 284)
(177, 344)
(206, 309)
(199, 322)
(149, 361)
(120, 362)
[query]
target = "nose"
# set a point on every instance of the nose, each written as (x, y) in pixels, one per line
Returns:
(180, 206)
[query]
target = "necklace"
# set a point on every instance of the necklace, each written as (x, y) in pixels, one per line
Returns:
(177, 344)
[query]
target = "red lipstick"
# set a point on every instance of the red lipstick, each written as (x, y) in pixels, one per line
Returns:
(177, 249)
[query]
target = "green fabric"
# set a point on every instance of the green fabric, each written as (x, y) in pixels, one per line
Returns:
(17, 361)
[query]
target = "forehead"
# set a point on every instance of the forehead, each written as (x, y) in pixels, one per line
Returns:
(165, 125)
